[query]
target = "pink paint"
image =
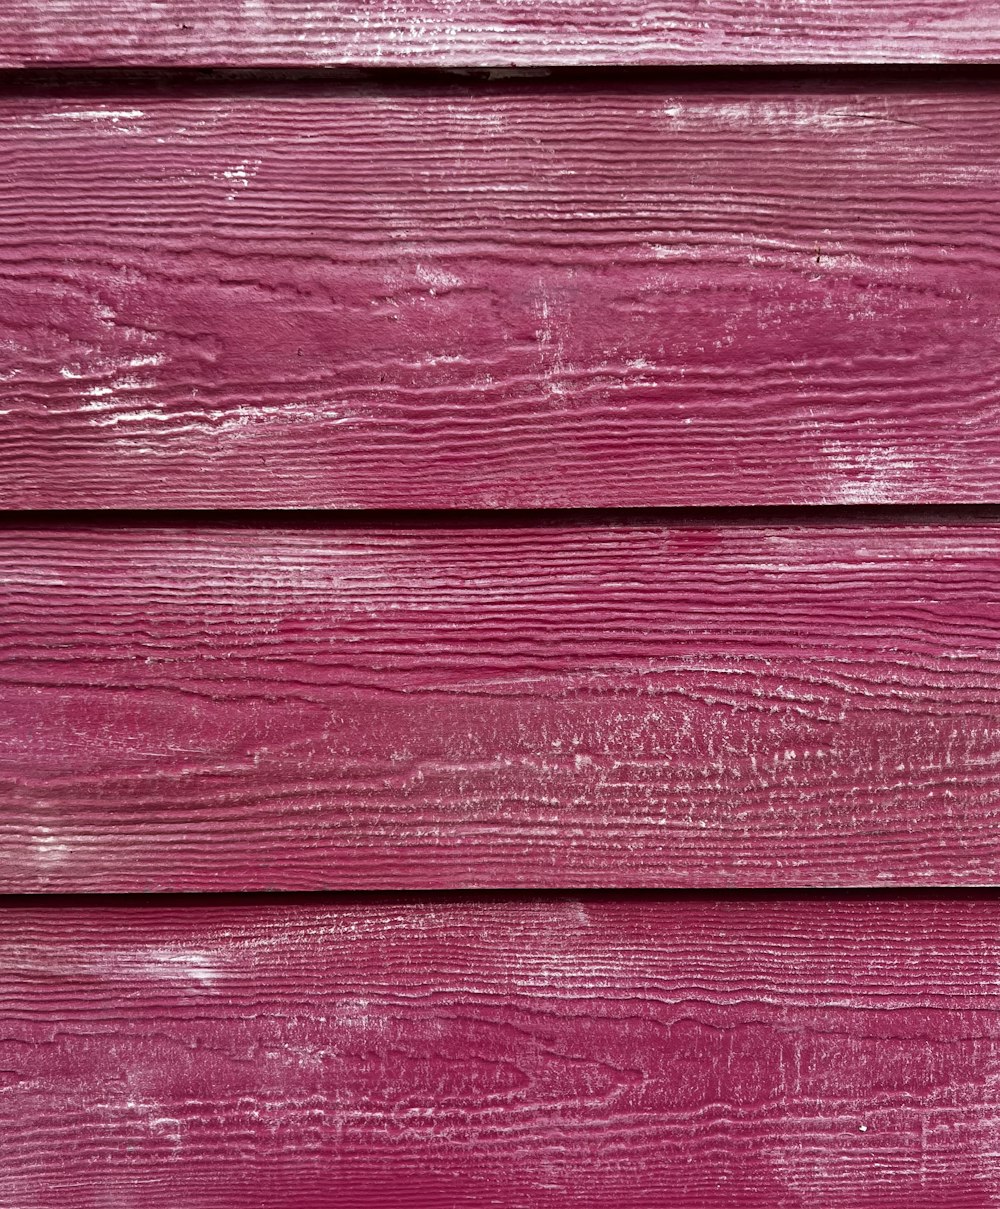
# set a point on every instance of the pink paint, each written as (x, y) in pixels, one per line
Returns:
(763, 1051)
(381, 294)
(497, 289)
(499, 705)
(480, 32)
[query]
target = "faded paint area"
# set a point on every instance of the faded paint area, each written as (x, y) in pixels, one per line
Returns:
(501, 704)
(491, 288)
(767, 1053)
(518, 292)
(499, 33)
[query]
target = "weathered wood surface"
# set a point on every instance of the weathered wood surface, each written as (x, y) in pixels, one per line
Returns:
(495, 32)
(759, 1053)
(494, 705)
(582, 293)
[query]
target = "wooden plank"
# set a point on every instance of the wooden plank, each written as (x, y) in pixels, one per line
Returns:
(492, 33)
(494, 705)
(693, 1052)
(585, 293)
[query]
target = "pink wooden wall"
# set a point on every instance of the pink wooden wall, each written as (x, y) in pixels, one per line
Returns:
(499, 604)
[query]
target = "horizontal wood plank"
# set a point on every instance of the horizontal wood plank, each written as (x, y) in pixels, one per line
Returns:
(586, 293)
(494, 705)
(767, 1053)
(495, 32)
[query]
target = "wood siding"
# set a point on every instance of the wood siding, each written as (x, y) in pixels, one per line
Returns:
(767, 1053)
(490, 704)
(499, 604)
(498, 33)
(592, 292)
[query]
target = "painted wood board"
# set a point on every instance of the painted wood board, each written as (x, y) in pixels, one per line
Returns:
(495, 32)
(590, 291)
(761, 1052)
(498, 704)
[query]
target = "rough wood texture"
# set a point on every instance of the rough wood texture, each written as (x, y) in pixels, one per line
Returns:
(499, 706)
(495, 32)
(588, 293)
(764, 1053)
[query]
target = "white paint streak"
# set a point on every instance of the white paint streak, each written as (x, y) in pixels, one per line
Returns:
(112, 121)
(48, 849)
(178, 965)
(862, 475)
(98, 115)
(239, 176)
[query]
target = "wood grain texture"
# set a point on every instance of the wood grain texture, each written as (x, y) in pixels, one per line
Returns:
(495, 32)
(590, 705)
(763, 1053)
(589, 293)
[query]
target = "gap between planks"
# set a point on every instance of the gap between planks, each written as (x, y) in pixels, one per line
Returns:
(195, 900)
(809, 515)
(237, 81)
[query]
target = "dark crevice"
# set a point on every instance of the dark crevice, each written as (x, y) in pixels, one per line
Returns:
(818, 515)
(258, 898)
(121, 81)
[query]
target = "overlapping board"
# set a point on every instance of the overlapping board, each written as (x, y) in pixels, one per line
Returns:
(495, 288)
(766, 1052)
(570, 291)
(500, 703)
(467, 33)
